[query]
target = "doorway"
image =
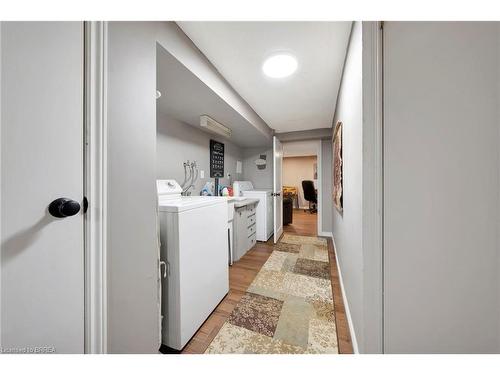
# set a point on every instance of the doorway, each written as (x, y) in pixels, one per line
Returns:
(301, 186)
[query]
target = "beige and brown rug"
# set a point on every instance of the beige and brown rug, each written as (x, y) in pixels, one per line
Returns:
(288, 308)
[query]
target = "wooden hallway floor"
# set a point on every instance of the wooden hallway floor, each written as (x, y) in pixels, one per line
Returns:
(243, 272)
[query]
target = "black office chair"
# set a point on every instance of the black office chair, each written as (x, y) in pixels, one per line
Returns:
(310, 195)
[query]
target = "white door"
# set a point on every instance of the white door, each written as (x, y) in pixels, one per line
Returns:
(277, 188)
(42, 256)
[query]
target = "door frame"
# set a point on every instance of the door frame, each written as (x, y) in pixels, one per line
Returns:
(319, 187)
(276, 237)
(95, 185)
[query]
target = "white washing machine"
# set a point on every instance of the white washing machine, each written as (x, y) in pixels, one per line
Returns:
(265, 209)
(194, 245)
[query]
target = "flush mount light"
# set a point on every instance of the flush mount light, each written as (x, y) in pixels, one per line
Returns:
(280, 65)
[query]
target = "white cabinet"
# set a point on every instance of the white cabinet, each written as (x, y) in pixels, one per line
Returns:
(244, 230)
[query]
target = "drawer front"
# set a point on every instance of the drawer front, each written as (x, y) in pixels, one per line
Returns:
(251, 220)
(251, 230)
(252, 240)
(230, 211)
(251, 210)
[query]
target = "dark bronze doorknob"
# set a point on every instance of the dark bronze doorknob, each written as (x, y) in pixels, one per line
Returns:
(63, 207)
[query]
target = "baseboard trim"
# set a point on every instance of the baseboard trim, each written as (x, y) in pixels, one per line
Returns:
(346, 303)
(325, 234)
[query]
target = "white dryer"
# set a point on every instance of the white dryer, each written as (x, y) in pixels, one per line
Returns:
(265, 209)
(193, 236)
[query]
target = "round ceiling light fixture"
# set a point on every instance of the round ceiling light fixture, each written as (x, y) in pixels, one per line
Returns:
(280, 65)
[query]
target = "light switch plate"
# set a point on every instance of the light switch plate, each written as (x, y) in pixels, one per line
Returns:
(202, 174)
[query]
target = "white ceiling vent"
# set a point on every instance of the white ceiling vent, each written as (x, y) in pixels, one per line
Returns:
(215, 127)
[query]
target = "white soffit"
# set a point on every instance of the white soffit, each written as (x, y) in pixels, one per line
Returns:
(185, 97)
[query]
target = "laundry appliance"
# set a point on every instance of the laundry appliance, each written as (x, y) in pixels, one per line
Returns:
(265, 209)
(194, 246)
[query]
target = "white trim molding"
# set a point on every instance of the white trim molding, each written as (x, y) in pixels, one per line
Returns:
(346, 303)
(95, 187)
(325, 234)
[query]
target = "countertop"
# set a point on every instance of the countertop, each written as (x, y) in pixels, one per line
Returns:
(245, 202)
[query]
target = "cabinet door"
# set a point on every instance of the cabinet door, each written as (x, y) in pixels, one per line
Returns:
(240, 232)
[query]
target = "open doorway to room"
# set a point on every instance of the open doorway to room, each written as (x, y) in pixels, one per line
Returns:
(301, 185)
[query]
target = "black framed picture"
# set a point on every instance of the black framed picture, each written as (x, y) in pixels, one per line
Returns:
(216, 159)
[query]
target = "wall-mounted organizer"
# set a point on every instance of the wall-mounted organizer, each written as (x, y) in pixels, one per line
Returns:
(216, 162)
(216, 159)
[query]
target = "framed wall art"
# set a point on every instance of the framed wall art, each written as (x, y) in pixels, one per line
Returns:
(338, 170)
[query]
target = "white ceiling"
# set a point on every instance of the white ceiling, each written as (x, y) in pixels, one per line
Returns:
(185, 97)
(303, 101)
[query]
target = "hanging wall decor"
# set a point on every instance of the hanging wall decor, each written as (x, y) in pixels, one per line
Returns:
(338, 175)
(261, 162)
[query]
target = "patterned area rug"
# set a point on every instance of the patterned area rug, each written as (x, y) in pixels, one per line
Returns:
(288, 308)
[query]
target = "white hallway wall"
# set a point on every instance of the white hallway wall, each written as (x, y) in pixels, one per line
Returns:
(132, 253)
(441, 182)
(261, 178)
(441, 142)
(498, 197)
(347, 226)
